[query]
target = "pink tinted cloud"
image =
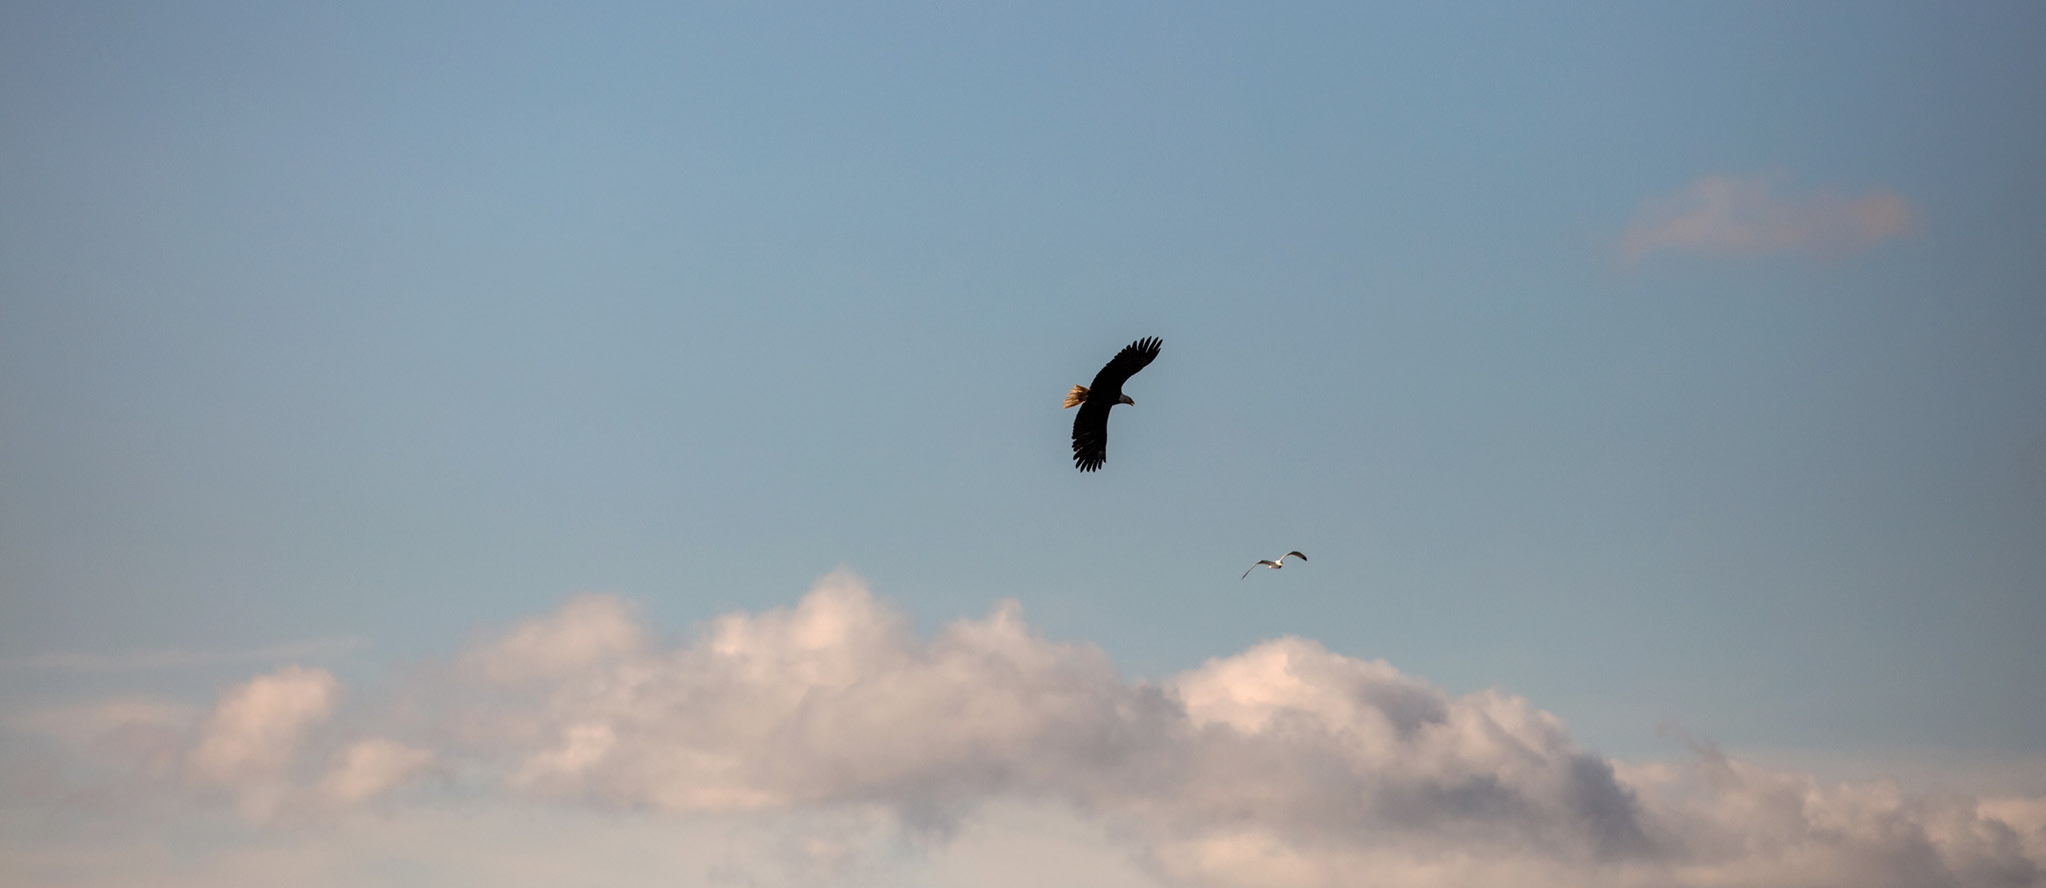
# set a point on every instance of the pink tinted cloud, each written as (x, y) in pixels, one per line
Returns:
(1742, 215)
(1286, 765)
(257, 727)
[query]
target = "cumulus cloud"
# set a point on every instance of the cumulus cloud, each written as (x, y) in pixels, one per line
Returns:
(1284, 765)
(252, 738)
(255, 730)
(259, 745)
(1743, 215)
(835, 700)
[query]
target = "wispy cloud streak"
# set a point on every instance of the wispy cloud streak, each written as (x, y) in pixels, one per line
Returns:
(1743, 215)
(171, 658)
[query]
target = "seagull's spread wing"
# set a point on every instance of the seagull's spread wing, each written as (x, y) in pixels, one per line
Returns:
(1247, 571)
(1298, 555)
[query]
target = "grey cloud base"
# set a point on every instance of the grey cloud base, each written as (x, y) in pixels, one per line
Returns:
(1284, 765)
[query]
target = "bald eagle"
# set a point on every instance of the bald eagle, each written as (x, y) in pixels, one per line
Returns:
(1090, 427)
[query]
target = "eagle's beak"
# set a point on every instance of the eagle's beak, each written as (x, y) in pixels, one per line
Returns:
(1126, 399)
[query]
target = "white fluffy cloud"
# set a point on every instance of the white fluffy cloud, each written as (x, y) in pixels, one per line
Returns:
(1284, 765)
(1742, 215)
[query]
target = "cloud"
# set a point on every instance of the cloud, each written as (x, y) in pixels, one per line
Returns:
(1741, 215)
(90, 722)
(369, 768)
(254, 746)
(1284, 765)
(252, 738)
(255, 729)
(808, 705)
(504, 846)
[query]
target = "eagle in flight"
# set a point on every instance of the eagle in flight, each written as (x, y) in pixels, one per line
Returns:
(1090, 427)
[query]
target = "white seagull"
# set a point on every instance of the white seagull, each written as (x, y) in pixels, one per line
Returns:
(1275, 565)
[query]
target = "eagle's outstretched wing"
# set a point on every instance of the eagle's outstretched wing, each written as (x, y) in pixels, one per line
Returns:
(1090, 434)
(1133, 357)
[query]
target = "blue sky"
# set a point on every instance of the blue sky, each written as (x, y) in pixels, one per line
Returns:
(1659, 364)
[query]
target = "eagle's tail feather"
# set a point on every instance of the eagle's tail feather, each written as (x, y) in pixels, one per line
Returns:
(1077, 396)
